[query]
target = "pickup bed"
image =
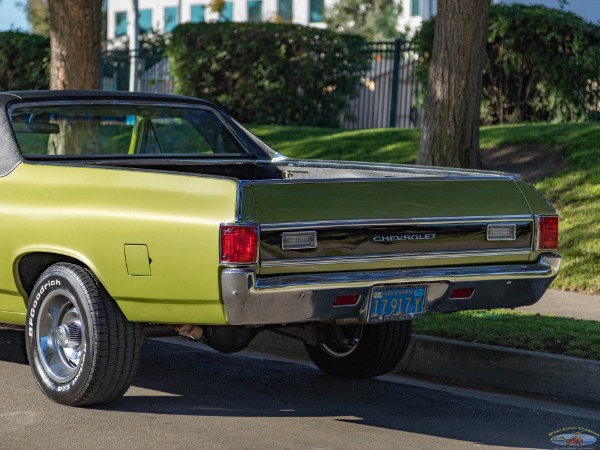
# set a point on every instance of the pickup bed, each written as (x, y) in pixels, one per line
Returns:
(128, 215)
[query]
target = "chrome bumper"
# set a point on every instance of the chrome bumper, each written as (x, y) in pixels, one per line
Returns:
(281, 299)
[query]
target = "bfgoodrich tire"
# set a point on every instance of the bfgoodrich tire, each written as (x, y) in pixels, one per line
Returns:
(366, 350)
(81, 349)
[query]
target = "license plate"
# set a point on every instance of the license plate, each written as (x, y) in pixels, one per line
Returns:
(390, 303)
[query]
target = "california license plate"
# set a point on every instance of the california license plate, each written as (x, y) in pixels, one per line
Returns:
(390, 303)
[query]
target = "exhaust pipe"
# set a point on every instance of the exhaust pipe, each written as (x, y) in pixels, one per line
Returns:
(193, 332)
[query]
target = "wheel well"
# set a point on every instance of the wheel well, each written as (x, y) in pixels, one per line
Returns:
(32, 265)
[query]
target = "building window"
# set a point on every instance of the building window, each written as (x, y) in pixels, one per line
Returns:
(254, 10)
(415, 8)
(316, 11)
(120, 24)
(286, 9)
(171, 18)
(145, 21)
(226, 14)
(198, 12)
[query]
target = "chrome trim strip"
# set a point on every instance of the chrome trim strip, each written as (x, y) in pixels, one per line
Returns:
(406, 169)
(395, 222)
(525, 251)
(384, 179)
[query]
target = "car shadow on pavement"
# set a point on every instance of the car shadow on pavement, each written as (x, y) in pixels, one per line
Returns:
(12, 346)
(185, 381)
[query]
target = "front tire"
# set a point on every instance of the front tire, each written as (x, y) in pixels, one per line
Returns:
(362, 351)
(81, 348)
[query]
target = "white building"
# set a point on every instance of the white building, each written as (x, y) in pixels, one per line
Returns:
(164, 15)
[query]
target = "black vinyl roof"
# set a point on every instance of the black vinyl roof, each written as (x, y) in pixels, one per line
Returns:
(11, 96)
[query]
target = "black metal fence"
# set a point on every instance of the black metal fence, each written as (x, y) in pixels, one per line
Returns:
(153, 74)
(388, 96)
(390, 92)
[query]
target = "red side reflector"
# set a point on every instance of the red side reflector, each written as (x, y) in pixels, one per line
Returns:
(547, 233)
(239, 244)
(346, 300)
(462, 293)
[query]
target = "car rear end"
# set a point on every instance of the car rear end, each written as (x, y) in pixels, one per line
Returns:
(379, 250)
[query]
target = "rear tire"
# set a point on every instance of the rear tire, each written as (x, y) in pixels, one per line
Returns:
(367, 350)
(81, 348)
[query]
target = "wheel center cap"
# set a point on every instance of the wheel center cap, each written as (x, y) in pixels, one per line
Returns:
(63, 335)
(69, 335)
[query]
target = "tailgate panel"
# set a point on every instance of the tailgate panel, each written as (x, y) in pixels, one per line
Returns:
(368, 224)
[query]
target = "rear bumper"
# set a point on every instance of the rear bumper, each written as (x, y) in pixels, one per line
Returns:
(253, 300)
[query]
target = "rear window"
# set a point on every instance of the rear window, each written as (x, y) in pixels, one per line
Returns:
(121, 130)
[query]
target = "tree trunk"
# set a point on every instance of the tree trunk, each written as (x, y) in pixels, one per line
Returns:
(75, 44)
(450, 132)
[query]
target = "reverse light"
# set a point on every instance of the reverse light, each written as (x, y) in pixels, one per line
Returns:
(501, 232)
(299, 240)
(239, 244)
(547, 233)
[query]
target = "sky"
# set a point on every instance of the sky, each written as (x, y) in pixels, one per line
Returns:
(588, 9)
(12, 16)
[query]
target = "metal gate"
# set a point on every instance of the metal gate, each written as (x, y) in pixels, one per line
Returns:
(390, 92)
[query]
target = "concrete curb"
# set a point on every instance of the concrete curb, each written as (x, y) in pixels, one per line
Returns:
(562, 377)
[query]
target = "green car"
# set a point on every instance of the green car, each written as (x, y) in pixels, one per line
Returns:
(128, 215)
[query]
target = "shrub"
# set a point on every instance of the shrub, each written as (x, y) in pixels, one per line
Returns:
(24, 61)
(543, 64)
(269, 73)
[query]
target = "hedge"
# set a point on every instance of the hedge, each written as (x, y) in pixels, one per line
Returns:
(24, 61)
(543, 65)
(269, 73)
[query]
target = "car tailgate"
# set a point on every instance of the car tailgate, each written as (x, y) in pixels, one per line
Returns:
(369, 224)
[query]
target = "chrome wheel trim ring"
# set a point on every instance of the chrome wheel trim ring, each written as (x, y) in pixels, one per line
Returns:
(60, 336)
(343, 350)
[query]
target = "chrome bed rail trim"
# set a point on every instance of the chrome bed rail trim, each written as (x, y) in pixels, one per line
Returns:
(253, 300)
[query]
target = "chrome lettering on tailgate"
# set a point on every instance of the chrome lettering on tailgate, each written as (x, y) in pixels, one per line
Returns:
(404, 237)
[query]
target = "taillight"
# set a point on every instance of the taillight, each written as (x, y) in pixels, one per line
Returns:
(239, 244)
(547, 237)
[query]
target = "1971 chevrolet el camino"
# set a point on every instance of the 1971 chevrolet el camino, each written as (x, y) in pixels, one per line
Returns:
(125, 214)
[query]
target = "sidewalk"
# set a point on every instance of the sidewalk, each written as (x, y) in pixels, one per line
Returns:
(567, 304)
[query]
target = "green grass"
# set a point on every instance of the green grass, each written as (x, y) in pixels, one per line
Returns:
(559, 335)
(574, 191)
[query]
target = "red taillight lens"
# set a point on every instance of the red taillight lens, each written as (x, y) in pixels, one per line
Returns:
(346, 300)
(547, 233)
(239, 244)
(462, 293)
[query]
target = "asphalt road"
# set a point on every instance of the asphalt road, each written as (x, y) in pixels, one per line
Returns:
(189, 397)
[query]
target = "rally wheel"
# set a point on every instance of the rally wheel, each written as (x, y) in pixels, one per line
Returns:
(81, 348)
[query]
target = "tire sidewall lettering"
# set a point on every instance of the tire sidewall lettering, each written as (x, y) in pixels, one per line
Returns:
(37, 299)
